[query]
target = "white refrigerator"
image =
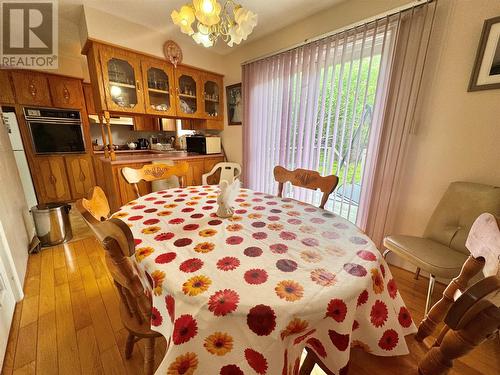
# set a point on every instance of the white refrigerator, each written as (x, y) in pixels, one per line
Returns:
(16, 142)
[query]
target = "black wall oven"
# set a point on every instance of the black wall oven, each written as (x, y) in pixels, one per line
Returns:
(55, 130)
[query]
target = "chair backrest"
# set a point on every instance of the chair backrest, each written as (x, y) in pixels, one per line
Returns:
(228, 171)
(460, 205)
(306, 179)
(152, 172)
(118, 242)
(484, 242)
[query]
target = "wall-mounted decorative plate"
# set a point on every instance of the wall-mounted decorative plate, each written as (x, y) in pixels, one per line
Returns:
(173, 52)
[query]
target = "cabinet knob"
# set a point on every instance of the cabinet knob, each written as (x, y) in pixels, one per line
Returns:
(138, 85)
(32, 88)
(52, 179)
(66, 94)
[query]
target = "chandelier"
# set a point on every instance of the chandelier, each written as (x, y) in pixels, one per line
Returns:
(231, 22)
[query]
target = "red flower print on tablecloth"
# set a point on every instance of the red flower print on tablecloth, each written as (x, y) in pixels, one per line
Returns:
(228, 263)
(170, 304)
(151, 221)
(340, 226)
(138, 207)
(317, 220)
(234, 240)
(288, 236)
(367, 255)
(150, 210)
(191, 265)
(190, 227)
(355, 325)
(301, 338)
(274, 218)
(156, 318)
(240, 211)
(362, 298)
(185, 328)
(176, 221)
(137, 241)
(355, 269)
(293, 213)
(197, 216)
(187, 209)
(294, 327)
(330, 235)
(286, 265)
(255, 276)
(206, 208)
(143, 252)
(389, 340)
(378, 313)
(258, 224)
(196, 285)
(358, 240)
(253, 251)
(278, 248)
(310, 209)
(323, 277)
(256, 361)
(404, 317)
(218, 343)
(310, 242)
(317, 346)
(234, 227)
(204, 247)
(382, 270)
(164, 213)
(261, 320)
(158, 277)
(185, 364)
(207, 232)
(275, 226)
(223, 302)
(164, 236)
(336, 309)
(259, 235)
(181, 242)
(311, 256)
(150, 230)
(165, 258)
(341, 341)
(289, 290)
(294, 221)
(377, 280)
(392, 288)
(215, 222)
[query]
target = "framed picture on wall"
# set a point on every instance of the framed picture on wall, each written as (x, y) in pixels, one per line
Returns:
(486, 72)
(234, 104)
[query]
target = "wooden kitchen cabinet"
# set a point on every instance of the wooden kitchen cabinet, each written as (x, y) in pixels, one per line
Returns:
(121, 75)
(189, 92)
(6, 92)
(212, 96)
(66, 92)
(146, 124)
(52, 180)
(89, 99)
(159, 87)
(80, 175)
(31, 88)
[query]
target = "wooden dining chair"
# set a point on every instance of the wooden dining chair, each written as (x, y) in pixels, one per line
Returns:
(471, 314)
(117, 240)
(306, 179)
(153, 172)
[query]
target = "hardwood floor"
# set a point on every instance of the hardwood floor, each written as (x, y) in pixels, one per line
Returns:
(69, 322)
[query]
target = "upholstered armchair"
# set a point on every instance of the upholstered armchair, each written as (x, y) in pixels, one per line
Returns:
(441, 251)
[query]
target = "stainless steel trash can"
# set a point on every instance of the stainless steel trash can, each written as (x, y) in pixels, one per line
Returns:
(52, 223)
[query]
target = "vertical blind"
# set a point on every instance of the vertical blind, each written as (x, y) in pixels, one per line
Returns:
(314, 107)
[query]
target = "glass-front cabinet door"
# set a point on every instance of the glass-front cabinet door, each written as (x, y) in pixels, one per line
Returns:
(159, 83)
(122, 81)
(188, 92)
(212, 97)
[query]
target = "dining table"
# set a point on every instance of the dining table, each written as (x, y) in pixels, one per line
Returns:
(248, 293)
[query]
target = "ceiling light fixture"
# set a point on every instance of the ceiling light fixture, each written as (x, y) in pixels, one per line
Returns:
(231, 22)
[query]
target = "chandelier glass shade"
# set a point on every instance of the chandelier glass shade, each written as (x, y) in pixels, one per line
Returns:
(207, 20)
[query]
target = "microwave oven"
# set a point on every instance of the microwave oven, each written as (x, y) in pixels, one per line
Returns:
(203, 145)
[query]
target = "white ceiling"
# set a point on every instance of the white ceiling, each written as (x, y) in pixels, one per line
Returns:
(155, 14)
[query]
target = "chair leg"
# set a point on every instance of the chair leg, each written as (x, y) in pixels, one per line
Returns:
(307, 365)
(432, 280)
(417, 273)
(385, 253)
(129, 345)
(149, 356)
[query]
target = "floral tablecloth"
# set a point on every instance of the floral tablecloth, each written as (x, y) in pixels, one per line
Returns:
(245, 295)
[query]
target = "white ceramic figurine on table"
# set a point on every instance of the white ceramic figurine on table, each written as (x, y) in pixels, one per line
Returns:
(228, 193)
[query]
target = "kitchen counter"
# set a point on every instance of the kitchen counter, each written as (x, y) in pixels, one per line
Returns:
(154, 155)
